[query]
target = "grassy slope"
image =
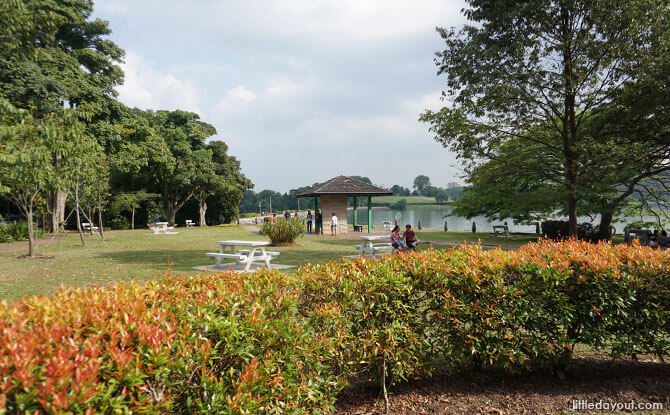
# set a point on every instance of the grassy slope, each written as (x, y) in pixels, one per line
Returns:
(411, 200)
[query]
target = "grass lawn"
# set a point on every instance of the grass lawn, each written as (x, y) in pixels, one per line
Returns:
(128, 255)
(486, 238)
(411, 200)
(136, 255)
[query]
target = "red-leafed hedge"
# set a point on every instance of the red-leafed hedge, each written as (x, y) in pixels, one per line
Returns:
(268, 343)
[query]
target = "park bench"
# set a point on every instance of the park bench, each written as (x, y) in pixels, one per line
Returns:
(358, 228)
(87, 227)
(189, 223)
(500, 229)
(387, 224)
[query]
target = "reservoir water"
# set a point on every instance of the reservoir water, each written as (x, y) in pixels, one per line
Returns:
(434, 216)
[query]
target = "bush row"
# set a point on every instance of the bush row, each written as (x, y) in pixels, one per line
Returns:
(491, 309)
(207, 344)
(268, 343)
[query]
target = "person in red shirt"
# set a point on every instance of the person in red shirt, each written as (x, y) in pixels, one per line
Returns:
(410, 238)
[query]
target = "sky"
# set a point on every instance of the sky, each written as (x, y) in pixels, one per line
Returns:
(301, 91)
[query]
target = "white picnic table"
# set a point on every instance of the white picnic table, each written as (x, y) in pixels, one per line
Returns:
(372, 248)
(255, 254)
(162, 228)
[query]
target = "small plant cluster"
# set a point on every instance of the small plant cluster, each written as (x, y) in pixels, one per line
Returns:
(560, 229)
(270, 343)
(284, 231)
(16, 231)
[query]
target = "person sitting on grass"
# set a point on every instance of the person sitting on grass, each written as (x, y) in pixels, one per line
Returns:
(396, 242)
(410, 238)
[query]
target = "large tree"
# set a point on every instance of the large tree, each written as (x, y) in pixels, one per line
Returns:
(63, 58)
(526, 64)
(421, 182)
(27, 145)
(174, 148)
(231, 183)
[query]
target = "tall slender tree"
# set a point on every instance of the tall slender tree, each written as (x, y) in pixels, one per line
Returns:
(526, 64)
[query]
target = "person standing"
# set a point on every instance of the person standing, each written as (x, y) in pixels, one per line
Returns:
(319, 222)
(333, 225)
(287, 215)
(309, 221)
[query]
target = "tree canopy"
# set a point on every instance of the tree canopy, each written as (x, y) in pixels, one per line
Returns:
(537, 72)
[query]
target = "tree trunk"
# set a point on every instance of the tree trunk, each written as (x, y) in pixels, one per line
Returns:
(76, 208)
(604, 226)
(171, 212)
(57, 208)
(132, 219)
(90, 219)
(569, 132)
(31, 235)
(203, 210)
(102, 233)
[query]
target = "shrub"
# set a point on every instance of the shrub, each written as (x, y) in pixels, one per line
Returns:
(509, 310)
(119, 222)
(284, 231)
(269, 343)
(560, 229)
(399, 205)
(227, 343)
(16, 231)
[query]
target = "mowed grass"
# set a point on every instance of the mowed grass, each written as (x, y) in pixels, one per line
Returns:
(137, 255)
(411, 200)
(484, 238)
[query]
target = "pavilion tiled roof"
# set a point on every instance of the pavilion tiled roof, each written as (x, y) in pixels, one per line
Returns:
(343, 185)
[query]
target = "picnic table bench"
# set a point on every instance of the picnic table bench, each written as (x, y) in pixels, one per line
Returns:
(387, 224)
(87, 227)
(371, 249)
(161, 228)
(358, 228)
(245, 257)
(189, 223)
(500, 229)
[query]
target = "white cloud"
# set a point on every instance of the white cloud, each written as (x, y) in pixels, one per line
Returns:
(148, 88)
(301, 90)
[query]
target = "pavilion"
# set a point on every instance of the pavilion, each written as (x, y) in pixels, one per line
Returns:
(333, 197)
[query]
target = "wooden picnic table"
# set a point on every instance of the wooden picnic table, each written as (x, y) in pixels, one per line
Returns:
(255, 254)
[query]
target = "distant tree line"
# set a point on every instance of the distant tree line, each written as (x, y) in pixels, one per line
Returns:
(70, 152)
(260, 202)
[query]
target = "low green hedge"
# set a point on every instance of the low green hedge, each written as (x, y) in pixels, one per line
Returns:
(269, 343)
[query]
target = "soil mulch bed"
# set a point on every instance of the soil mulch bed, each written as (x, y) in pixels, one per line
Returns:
(590, 379)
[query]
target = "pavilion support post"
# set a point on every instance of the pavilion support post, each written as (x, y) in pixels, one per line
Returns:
(369, 214)
(355, 212)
